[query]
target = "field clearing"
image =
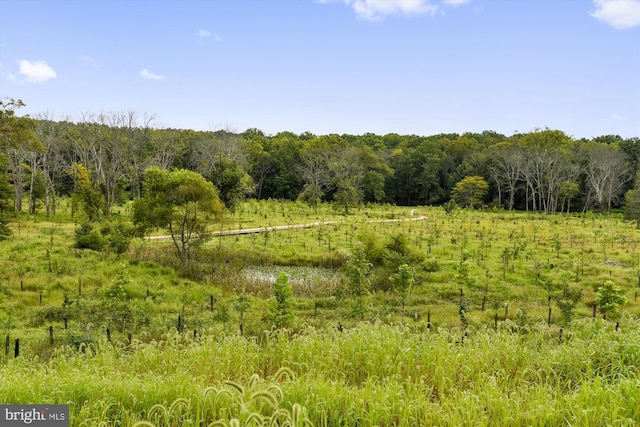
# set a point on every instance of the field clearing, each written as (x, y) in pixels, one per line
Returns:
(192, 351)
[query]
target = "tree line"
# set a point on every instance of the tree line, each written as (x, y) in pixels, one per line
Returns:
(104, 156)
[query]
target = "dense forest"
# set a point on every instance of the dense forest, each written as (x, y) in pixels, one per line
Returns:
(542, 170)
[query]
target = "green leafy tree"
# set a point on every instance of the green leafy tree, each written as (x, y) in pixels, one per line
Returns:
(15, 131)
(232, 182)
(116, 303)
(358, 270)
(86, 194)
(609, 297)
(87, 237)
(17, 143)
(632, 206)
(281, 312)
(6, 206)
(470, 191)
(182, 202)
(567, 302)
(402, 281)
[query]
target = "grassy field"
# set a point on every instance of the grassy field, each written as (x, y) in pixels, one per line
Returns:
(129, 339)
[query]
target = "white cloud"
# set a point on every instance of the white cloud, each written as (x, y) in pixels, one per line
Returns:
(373, 10)
(150, 76)
(205, 34)
(617, 117)
(619, 14)
(36, 71)
(455, 2)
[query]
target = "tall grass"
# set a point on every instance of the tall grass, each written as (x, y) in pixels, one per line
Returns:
(373, 374)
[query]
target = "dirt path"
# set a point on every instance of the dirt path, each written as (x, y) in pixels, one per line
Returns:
(287, 227)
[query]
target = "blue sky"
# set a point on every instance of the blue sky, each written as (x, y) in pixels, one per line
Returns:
(330, 66)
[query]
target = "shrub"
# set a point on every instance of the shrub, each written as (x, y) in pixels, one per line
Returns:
(86, 237)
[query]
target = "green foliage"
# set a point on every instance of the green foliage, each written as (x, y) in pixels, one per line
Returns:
(182, 202)
(118, 235)
(402, 281)
(449, 206)
(6, 205)
(232, 183)
(357, 270)
(567, 303)
(470, 191)
(87, 237)
(15, 131)
(375, 374)
(609, 297)
(87, 194)
(281, 312)
(632, 206)
(242, 304)
(118, 312)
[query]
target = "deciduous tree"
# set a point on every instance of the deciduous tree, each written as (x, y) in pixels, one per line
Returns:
(470, 191)
(182, 202)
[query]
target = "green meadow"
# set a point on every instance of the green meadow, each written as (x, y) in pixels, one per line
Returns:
(500, 324)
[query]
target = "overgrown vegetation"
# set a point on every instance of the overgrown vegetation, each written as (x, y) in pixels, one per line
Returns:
(325, 309)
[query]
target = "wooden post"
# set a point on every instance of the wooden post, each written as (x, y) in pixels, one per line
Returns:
(484, 300)
(179, 323)
(40, 299)
(195, 333)
(79, 287)
(50, 334)
(560, 337)
(147, 292)
(211, 302)
(429, 326)
(16, 351)
(129, 337)
(22, 284)
(549, 319)
(495, 321)
(66, 323)
(7, 344)
(108, 334)
(594, 309)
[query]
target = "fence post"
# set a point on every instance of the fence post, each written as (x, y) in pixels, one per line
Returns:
(7, 344)
(51, 335)
(16, 352)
